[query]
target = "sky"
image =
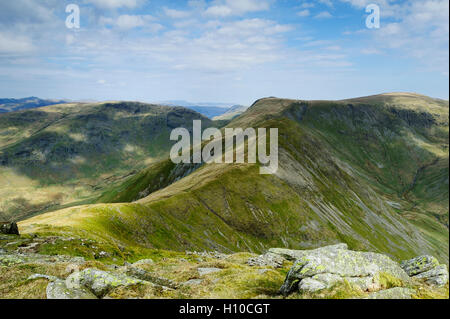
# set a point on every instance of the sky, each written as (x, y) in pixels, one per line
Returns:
(230, 51)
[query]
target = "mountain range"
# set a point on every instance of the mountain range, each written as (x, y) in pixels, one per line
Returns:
(371, 172)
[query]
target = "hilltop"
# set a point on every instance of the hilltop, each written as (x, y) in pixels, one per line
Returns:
(371, 172)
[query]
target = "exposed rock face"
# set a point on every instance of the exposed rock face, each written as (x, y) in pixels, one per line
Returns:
(268, 259)
(276, 256)
(142, 274)
(437, 276)
(292, 255)
(207, 271)
(393, 293)
(9, 229)
(324, 267)
(426, 268)
(99, 282)
(58, 290)
(419, 265)
(9, 259)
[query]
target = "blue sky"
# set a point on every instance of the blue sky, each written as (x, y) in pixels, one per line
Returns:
(233, 51)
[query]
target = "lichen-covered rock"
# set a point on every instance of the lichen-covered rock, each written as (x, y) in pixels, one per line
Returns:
(207, 271)
(149, 277)
(9, 229)
(10, 259)
(438, 276)
(267, 259)
(293, 255)
(58, 290)
(275, 257)
(40, 276)
(322, 268)
(392, 293)
(143, 262)
(99, 282)
(419, 264)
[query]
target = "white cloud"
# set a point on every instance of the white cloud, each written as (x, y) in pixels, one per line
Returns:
(323, 15)
(176, 14)
(219, 11)
(236, 7)
(326, 2)
(14, 44)
(421, 31)
(307, 5)
(304, 13)
(115, 4)
(126, 22)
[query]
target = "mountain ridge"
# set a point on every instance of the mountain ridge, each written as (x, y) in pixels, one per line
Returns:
(343, 172)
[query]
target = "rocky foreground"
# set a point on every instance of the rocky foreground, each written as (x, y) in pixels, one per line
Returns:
(28, 269)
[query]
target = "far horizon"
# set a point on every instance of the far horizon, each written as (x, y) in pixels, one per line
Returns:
(233, 51)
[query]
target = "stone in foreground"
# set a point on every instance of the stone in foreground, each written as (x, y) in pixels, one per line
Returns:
(393, 293)
(437, 276)
(99, 282)
(419, 264)
(58, 290)
(322, 268)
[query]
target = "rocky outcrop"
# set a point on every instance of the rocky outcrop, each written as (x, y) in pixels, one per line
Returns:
(147, 276)
(8, 259)
(59, 290)
(99, 282)
(267, 259)
(9, 228)
(393, 293)
(426, 268)
(419, 265)
(324, 267)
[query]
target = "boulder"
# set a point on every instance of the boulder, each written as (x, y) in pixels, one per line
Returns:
(293, 255)
(419, 264)
(40, 276)
(9, 228)
(99, 282)
(438, 276)
(143, 262)
(268, 259)
(193, 282)
(275, 257)
(206, 271)
(58, 290)
(148, 277)
(392, 293)
(322, 268)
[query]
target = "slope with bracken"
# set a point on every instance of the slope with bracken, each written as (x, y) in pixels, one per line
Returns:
(371, 172)
(65, 154)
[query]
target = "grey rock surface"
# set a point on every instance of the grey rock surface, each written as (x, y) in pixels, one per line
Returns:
(438, 276)
(321, 268)
(99, 282)
(58, 290)
(207, 271)
(393, 293)
(419, 264)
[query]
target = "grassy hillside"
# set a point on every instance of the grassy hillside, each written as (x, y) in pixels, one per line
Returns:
(371, 172)
(65, 154)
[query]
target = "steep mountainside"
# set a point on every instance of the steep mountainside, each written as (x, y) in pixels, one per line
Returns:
(371, 172)
(63, 154)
